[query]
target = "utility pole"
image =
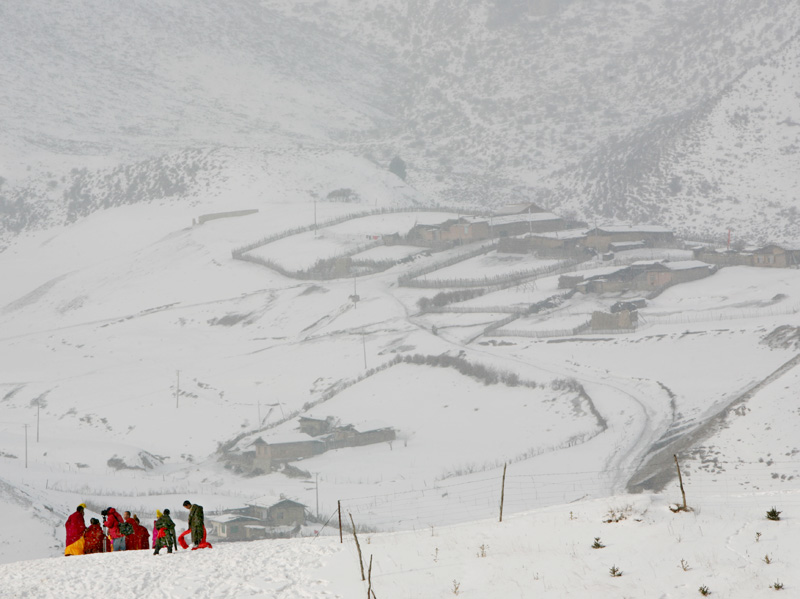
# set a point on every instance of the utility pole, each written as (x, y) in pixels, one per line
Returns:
(259, 412)
(530, 223)
(315, 217)
(177, 388)
(316, 483)
(26, 444)
(37, 419)
(355, 294)
(364, 348)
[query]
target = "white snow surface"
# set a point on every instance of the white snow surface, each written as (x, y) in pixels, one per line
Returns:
(134, 347)
(724, 544)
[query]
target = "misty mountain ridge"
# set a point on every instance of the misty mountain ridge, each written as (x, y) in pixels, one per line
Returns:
(659, 111)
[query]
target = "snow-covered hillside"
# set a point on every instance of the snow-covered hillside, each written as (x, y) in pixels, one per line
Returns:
(725, 546)
(610, 110)
(147, 361)
(192, 206)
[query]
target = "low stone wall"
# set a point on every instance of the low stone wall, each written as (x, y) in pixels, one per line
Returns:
(215, 215)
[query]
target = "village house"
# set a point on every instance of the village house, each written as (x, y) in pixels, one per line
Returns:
(565, 243)
(315, 426)
(284, 513)
(630, 304)
(235, 527)
(770, 256)
(520, 224)
(449, 233)
(723, 257)
(369, 433)
(622, 320)
(315, 436)
(284, 448)
(651, 275)
(601, 238)
(776, 256)
(258, 521)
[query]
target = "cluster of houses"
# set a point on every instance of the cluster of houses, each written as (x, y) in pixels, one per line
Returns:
(313, 437)
(644, 275)
(258, 520)
(527, 228)
(769, 256)
(511, 220)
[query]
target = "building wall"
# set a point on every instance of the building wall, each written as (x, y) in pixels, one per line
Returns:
(691, 274)
(523, 226)
(294, 451)
(286, 515)
(465, 232)
(770, 260)
(604, 321)
(725, 259)
(313, 427)
(656, 278)
(263, 457)
(549, 246)
(351, 438)
(601, 241)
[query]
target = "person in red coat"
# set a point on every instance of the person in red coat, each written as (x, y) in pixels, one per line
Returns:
(131, 540)
(112, 520)
(141, 533)
(94, 537)
(75, 526)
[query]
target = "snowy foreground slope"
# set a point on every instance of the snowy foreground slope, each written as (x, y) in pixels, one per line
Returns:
(726, 545)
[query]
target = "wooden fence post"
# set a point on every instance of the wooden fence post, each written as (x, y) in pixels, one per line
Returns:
(503, 491)
(358, 546)
(339, 509)
(680, 481)
(369, 584)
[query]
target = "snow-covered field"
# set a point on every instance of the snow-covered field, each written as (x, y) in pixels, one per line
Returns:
(353, 237)
(725, 545)
(493, 264)
(139, 360)
(126, 357)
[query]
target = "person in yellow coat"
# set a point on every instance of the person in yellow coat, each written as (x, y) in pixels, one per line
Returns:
(75, 526)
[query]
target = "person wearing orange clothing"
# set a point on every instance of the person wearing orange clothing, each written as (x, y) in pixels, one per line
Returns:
(75, 526)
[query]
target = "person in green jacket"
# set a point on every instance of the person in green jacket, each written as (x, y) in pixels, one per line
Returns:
(196, 522)
(167, 539)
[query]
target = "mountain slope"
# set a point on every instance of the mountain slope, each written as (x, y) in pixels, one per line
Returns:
(730, 163)
(487, 102)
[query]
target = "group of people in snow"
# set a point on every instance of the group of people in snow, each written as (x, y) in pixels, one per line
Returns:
(124, 532)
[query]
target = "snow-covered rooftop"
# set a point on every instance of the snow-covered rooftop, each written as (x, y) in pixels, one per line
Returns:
(633, 229)
(687, 265)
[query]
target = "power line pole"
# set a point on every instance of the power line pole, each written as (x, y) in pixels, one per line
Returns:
(364, 348)
(316, 482)
(37, 420)
(26, 444)
(177, 388)
(530, 223)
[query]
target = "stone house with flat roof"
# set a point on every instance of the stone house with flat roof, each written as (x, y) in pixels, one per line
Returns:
(601, 238)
